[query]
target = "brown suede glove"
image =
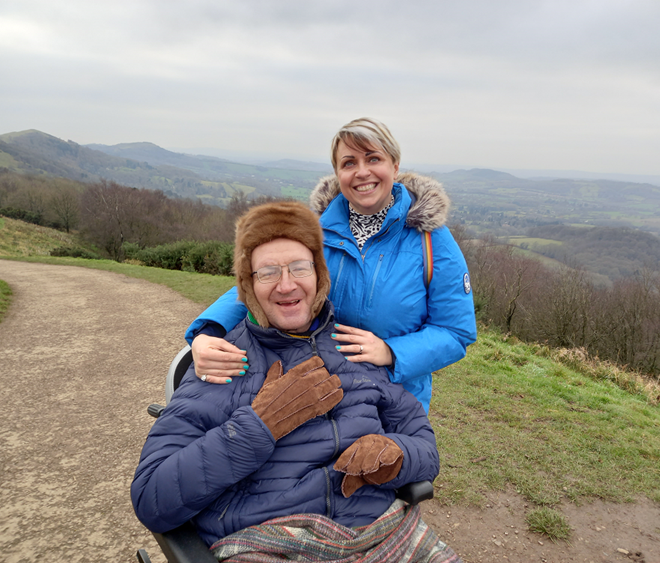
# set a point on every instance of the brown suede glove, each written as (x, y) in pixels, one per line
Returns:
(302, 393)
(373, 459)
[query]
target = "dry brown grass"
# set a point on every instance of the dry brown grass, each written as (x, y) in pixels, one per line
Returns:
(18, 238)
(579, 360)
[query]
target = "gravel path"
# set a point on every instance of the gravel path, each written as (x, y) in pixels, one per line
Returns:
(82, 354)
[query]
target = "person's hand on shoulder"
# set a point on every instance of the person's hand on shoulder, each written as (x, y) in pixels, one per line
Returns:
(216, 360)
(364, 345)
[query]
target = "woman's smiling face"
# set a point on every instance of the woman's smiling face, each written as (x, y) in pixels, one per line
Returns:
(365, 177)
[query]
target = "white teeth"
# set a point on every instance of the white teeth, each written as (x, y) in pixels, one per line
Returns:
(366, 187)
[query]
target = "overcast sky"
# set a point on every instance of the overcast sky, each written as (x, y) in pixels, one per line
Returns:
(527, 84)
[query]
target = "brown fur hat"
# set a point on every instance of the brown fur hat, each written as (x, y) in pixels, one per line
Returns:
(264, 223)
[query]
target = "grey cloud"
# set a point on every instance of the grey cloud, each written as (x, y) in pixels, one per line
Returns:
(514, 83)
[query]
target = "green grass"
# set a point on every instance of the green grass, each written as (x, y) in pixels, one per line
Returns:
(549, 522)
(8, 161)
(297, 193)
(18, 238)
(5, 298)
(234, 188)
(507, 415)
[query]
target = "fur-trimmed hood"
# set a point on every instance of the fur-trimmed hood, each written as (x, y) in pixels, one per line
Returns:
(428, 211)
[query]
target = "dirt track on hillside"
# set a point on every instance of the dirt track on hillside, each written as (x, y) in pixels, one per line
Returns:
(83, 352)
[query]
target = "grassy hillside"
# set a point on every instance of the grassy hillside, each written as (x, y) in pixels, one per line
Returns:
(18, 238)
(146, 165)
(613, 252)
(527, 247)
(552, 424)
(496, 202)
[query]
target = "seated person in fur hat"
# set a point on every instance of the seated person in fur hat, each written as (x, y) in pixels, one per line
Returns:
(304, 431)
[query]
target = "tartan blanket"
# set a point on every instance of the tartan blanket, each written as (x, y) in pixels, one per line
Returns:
(398, 536)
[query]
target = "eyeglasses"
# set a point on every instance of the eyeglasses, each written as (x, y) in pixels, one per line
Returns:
(298, 269)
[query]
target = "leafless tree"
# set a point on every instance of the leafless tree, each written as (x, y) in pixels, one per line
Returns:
(65, 206)
(563, 316)
(105, 207)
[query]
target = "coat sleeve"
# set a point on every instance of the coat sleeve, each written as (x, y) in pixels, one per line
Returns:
(404, 421)
(450, 326)
(188, 461)
(227, 311)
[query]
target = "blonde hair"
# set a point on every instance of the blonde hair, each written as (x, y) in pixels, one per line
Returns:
(365, 133)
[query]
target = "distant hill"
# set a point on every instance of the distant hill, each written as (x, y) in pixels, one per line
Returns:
(486, 201)
(156, 156)
(499, 203)
(34, 152)
(614, 252)
(582, 175)
(146, 165)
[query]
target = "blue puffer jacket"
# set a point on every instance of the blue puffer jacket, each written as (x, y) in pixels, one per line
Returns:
(382, 289)
(210, 457)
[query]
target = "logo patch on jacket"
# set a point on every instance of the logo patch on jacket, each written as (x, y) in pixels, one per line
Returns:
(466, 283)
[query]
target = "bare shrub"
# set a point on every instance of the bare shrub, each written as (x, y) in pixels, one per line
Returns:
(563, 309)
(502, 281)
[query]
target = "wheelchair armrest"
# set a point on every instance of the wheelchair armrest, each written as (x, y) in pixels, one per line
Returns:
(183, 545)
(414, 493)
(155, 410)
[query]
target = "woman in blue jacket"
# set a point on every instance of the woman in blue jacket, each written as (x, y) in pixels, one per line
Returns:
(400, 284)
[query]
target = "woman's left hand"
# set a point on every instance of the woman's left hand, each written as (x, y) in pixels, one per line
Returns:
(364, 345)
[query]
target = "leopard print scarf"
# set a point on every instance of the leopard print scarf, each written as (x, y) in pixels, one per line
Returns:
(364, 227)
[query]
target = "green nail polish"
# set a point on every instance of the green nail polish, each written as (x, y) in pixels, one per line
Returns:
(228, 380)
(241, 373)
(243, 359)
(246, 366)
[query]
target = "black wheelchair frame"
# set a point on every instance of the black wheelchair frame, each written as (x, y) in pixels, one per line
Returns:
(183, 544)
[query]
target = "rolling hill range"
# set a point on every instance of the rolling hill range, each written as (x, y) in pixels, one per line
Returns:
(503, 204)
(484, 200)
(145, 165)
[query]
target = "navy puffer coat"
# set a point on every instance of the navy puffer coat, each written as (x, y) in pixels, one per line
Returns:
(210, 457)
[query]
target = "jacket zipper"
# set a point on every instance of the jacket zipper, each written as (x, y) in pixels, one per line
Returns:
(336, 431)
(328, 501)
(312, 342)
(373, 281)
(328, 498)
(379, 237)
(336, 284)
